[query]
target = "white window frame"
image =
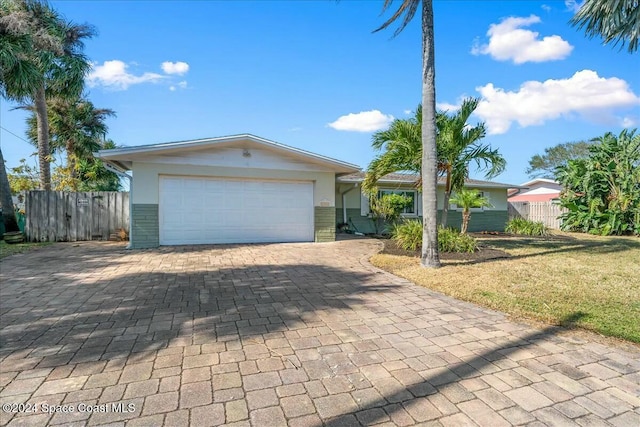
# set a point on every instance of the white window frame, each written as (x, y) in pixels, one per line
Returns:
(416, 194)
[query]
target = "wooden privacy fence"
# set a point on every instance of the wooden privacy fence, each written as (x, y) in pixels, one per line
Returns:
(545, 212)
(58, 216)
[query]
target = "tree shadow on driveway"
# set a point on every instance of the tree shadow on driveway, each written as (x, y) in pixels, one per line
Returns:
(99, 304)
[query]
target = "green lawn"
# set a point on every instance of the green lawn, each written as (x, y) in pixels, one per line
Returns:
(592, 280)
(17, 248)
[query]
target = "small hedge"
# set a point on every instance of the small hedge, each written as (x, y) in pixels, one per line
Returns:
(408, 236)
(526, 228)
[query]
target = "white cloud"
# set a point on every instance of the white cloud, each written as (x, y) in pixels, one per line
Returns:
(573, 5)
(408, 112)
(365, 121)
(445, 106)
(628, 122)
(509, 41)
(179, 68)
(113, 74)
(546, 8)
(180, 85)
(584, 94)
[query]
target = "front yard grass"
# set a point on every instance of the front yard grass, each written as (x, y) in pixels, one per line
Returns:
(593, 280)
(17, 248)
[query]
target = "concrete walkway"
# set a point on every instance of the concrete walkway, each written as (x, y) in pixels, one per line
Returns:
(274, 335)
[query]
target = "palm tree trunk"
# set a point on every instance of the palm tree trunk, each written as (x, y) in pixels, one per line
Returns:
(430, 256)
(71, 164)
(447, 196)
(8, 214)
(466, 215)
(43, 139)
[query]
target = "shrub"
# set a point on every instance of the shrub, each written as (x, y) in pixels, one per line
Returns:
(451, 240)
(408, 236)
(525, 227)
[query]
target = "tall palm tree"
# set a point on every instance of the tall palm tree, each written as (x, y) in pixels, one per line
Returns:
(616, 21)
(458, 146)
(405, 13)
(40, 57)
(77, 127)
(468, 199)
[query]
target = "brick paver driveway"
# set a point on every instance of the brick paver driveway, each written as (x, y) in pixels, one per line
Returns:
(270, 335)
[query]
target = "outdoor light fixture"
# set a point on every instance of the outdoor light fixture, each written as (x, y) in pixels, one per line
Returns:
(246, 153)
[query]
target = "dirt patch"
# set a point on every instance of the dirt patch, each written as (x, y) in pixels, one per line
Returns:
(483, 253)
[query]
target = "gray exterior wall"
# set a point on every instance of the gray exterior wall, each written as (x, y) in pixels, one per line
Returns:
(324, 224)
(490, 220)
(144, 226)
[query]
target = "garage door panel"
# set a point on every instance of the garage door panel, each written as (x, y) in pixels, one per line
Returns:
(209, 210)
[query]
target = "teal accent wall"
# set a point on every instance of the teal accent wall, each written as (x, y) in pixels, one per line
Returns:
(489, 220)
(324, 224)
(145, 231)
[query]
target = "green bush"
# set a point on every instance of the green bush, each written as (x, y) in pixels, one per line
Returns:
(451, 240)
(408, 236)
(526, 228)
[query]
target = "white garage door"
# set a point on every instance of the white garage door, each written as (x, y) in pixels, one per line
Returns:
(218, 210)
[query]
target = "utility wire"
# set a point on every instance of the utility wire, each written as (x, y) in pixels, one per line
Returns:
(17, 136)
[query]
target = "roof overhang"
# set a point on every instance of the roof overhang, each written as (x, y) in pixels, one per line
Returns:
(123, 158)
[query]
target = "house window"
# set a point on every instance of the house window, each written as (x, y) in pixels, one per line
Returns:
(412, 208)
(453, 206)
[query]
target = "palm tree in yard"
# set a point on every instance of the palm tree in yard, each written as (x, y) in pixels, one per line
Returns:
(614, 20)
(40, 58)
(429, 162)
(467, 200)
(458, 146)
(402, 149)
(77, 128)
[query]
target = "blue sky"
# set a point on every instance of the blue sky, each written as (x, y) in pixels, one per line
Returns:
(311, 74)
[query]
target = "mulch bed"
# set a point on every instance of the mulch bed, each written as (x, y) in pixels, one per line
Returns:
(483, 253)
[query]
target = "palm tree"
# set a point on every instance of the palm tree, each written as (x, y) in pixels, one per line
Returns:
(405, 12)
(40, 57)
(615, 21)
(468, 199)
(6, 202)
(402, 145)
(458, 146)
(77, 127)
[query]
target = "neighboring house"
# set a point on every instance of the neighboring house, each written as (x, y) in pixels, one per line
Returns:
(234, 189)
(537, 190)
(352, 207)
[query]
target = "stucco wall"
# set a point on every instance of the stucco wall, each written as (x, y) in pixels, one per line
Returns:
(497, 196)
(145, 179)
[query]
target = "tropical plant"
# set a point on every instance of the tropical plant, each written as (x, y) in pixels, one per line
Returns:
(458, 146)
(408, 236)
(452, 240)
(40, 57)
(616, 21)
(526, 227)
(467, 200)
(386, 208)
(429, 161)
(602, 192)
(6, 202)
(23, 178)
(400, 148)
(545, 165)
(77, 128)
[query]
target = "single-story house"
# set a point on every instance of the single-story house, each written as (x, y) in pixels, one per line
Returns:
(353, 206)
(247, 189)
(233, 189)
(537, 190)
